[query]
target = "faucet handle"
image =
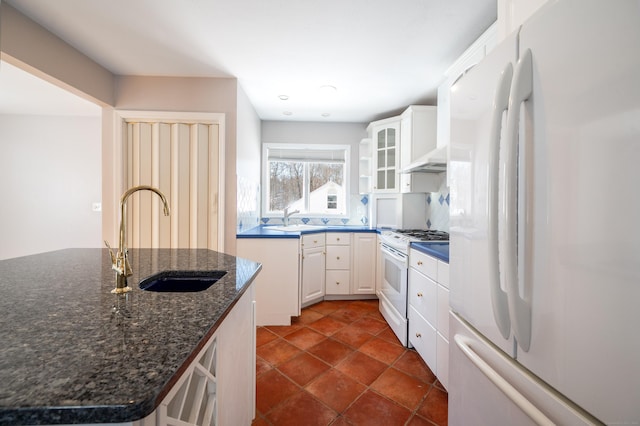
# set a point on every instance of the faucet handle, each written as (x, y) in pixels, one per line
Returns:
(113, 257)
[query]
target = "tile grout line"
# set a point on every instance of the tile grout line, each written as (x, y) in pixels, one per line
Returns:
(367, 387)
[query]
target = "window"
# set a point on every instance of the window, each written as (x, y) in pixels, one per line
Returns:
(310, 178)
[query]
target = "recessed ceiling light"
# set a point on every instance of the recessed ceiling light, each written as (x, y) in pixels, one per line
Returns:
(327, 88)
(283, 97)
(287, 113)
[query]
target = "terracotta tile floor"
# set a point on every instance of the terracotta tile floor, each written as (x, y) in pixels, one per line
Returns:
(339, 363)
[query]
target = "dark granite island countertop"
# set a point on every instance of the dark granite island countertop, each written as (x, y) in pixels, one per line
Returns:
(72, 352)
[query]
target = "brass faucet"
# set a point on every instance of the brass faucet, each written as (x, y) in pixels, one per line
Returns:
(120, 261)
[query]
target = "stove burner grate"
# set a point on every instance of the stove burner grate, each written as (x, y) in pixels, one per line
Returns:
(425, 234)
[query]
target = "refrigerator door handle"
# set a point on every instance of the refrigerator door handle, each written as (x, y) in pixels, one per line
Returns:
(499, 300)
(465, 345)
(519, 308)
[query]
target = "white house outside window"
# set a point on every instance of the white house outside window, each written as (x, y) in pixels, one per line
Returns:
(310, 178)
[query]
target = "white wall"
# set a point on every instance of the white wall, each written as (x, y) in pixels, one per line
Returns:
(248, 139)
(50, 169)
(181, 94)
(33, 48)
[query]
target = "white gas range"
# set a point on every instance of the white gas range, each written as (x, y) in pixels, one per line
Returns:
(394, 258)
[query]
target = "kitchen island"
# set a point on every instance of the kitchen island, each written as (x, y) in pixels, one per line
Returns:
(72, 352)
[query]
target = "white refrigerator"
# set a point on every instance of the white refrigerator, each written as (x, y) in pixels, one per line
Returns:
(545, 223)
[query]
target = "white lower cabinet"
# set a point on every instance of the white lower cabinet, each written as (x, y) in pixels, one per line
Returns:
(337, 282)
(338, 265)
(365, 249)
(338, 272)
(277, 284)
(218, 388)
(378, 265)
(423, 295)
(442, 324)
(428, 311)
(313, 268)
(442, 360)
(422, 337)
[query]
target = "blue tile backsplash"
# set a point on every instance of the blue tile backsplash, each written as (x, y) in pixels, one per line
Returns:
(438, 208)
(248, 201)
(359, 216)
(249, 209)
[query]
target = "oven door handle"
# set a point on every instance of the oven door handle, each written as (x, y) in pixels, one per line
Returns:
(394, 254)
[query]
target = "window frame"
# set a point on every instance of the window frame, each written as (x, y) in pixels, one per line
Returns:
(301, 146)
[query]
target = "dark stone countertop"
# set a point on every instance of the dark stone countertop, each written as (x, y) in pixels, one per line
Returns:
(268, 231)
(72, 352)
(439, 250)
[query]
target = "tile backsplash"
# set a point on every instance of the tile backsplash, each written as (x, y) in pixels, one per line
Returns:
(248, 199)
(438, 208)
(249, 209)
(359, 215)
(438, 211)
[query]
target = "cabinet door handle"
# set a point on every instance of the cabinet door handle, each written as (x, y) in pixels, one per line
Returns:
(419, 294)
(338, 257)
(315, 241)
(419, 262)
(418, 335)
(337, 282)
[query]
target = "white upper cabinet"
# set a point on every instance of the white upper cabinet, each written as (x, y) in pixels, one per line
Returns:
(513, 13)
(386, 154)
(418, 138)
(417, 133)
(474, 54)
(395, 143)
(364, 166)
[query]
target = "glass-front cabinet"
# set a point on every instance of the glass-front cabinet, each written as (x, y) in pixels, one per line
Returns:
(386, 154)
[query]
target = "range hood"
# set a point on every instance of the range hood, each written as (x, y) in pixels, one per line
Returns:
(432, 162)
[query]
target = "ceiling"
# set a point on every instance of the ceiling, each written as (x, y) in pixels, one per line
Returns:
(379, 55)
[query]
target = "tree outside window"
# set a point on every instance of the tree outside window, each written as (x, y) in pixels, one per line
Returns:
(311, 179)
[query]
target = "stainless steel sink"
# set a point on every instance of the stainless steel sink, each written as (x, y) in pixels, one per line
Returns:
(295, 228)
(181, 281)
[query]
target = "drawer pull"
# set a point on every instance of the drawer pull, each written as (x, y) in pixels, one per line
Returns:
(315, 241)
(419, 294)
(419, 262)
(338, 257)
(338, 239)
(337, 282)
(418, 335)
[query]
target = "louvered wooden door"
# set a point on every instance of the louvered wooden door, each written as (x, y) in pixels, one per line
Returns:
(181, 160)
